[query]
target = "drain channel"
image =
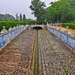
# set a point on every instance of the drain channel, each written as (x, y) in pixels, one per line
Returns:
(36, 58)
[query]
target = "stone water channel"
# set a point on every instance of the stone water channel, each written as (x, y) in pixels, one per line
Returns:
(36, 53)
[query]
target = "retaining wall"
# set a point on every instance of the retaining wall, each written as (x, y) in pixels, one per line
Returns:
(4, 38)
(67, 39)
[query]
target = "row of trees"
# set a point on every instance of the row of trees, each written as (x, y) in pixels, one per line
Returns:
(20, 17)
(10, 17)
(6, 17)
(59, 11)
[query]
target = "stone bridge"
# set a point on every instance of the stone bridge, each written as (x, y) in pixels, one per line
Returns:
(36, 27)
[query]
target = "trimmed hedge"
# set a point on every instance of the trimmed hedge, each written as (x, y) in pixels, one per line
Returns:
(9, 24)
(71, 25)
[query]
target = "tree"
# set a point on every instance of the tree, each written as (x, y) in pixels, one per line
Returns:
(38, 9)
(24, 17)
(53, 14)
(72, 3)
(61, 11)
(20, 17)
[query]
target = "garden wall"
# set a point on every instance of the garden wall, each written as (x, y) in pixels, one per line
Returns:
(67, 39)
(5, 38)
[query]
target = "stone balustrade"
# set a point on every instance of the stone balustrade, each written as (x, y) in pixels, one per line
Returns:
(7, 35)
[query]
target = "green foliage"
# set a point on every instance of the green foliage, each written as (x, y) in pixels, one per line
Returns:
(24, 17)
(20, 17)
(38, 9)
(71, 25)
(61, 11)
(9, 24)
(72, 3)
(65, 70)
(29, 21)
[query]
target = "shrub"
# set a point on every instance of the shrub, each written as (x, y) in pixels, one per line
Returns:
(71, 25)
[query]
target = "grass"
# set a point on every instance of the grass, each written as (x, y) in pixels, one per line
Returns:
(48, 63)
(65, 70)
(55, 72)
(55, 53)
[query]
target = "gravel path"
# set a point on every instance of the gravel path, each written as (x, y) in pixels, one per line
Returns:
(16, 57)
(56, 58)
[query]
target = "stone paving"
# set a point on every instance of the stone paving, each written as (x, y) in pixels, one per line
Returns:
(56, 57)
(16, 57)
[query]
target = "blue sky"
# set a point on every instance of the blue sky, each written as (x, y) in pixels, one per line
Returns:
(18, 6)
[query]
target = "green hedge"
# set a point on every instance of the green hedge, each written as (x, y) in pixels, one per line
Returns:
(9, 24)
(71, 25)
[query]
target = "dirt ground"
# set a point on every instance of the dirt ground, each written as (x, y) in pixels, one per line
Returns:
(16, 57)
(72, 31)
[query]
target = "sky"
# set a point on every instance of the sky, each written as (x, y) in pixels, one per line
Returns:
(18, 6)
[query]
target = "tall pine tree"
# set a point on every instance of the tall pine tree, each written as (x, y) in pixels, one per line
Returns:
(24, 17)
(20, 17)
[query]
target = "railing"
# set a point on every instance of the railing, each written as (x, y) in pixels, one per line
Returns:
(4, 38)
(67, 39)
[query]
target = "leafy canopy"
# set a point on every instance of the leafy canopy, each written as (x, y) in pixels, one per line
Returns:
(38, 8)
